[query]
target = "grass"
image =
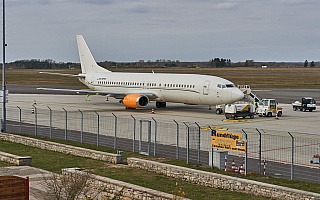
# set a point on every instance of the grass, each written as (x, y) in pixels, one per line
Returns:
(256, 77)
(54, 162)
(127, 175)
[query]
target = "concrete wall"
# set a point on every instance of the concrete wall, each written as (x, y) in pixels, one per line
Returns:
(17, 160)
(111, 187)
(222, 181)
(67, 149)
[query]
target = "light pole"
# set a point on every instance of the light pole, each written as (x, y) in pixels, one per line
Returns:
(3, 122)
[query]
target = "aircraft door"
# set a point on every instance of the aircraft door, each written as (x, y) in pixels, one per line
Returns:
(206, 87)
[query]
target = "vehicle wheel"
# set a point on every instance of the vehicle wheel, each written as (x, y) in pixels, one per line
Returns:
(218, 111)
(158, 104)
(260, 115)
(303, 110)
(279, 114)
(269, 114)
(310, 110)
(294, 108)
(227, 117)
(236, 117)
(251, 116)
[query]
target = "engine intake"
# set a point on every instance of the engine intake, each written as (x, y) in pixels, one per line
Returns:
(135, 101)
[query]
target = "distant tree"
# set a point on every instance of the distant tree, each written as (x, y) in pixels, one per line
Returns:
(305, 63)
(249, 63)
(312, 64)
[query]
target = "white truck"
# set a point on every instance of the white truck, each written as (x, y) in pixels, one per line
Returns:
(239, 110)
(307, 103)
(269, 108)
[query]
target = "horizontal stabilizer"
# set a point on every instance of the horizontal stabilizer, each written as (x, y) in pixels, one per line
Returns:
(68, 75)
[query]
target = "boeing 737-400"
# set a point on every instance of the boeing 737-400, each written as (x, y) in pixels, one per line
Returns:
(136, 90)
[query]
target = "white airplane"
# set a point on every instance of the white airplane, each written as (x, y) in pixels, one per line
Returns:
(137, 89)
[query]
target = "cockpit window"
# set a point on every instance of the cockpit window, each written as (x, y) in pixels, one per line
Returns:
(230, 85)
(221, 86)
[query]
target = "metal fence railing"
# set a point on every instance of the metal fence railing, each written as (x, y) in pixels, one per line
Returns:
(274, 153)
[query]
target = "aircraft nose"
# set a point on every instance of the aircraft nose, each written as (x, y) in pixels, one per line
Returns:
(237, 95)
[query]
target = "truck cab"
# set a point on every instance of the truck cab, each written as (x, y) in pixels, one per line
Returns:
(307, 104)
(269, 108)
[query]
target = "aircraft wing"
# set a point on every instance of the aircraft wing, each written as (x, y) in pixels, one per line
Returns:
(97, 92)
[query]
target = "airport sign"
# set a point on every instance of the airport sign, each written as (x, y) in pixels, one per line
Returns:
(229, 141)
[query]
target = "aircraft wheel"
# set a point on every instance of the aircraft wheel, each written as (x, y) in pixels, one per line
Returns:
(161, 104)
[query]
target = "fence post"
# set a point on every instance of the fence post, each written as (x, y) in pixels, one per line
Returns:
(20, 121)
(155, 137)
(212, 131)
(98, 128)
(199, 132)
(134, 134)
(66, 127)
(177, 147)
(292, 156)
(115, 131)
(35, 120)
(260, 147)
(187, 141)
(246, 153)
(81, 126)
(50, 122)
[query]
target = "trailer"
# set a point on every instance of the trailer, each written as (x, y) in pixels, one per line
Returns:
(239, 110)
(307, 103)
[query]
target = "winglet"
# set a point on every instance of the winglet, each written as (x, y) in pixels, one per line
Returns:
(88, 64)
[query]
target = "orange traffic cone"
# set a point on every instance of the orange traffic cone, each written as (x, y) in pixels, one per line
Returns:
(277, 116)
(34, 102)
(32, 111)
(241, 171)
(152, 111)
(233, 166)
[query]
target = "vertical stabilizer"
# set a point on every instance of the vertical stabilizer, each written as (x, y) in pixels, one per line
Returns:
(88, 64)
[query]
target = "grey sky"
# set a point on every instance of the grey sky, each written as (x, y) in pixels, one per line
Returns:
(185, 30)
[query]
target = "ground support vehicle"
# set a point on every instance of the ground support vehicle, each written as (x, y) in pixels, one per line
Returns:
(219, 109)
(269, 108)
(315, 159)
(239, 110)
(307, 103)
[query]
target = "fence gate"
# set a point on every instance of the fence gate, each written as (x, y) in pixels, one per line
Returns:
(145, 137)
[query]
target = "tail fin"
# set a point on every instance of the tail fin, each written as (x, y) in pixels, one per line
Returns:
(88, 64)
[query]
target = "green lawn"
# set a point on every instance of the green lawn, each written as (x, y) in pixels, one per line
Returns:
(54, 162)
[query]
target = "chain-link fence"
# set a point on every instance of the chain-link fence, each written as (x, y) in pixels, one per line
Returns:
(281, 154)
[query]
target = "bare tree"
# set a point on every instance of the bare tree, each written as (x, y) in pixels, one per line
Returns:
(68, 186)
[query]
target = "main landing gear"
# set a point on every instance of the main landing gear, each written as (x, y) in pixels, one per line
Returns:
(161, 104)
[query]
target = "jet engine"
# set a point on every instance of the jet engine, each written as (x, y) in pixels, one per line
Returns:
(135, 101)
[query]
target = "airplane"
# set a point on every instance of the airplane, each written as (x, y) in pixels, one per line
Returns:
(136, 90)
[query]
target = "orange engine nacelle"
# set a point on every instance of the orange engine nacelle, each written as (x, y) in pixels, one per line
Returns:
(135, 101)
